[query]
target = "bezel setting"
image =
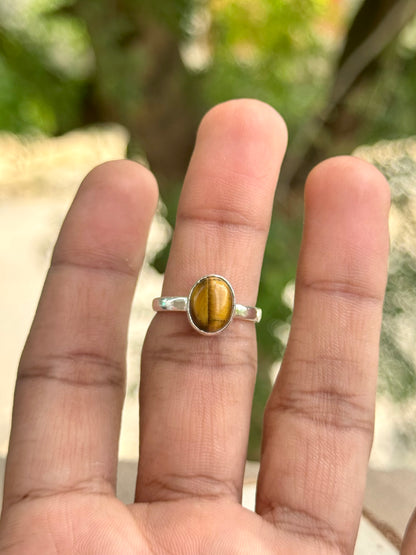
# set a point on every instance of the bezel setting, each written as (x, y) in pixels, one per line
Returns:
(188, 307)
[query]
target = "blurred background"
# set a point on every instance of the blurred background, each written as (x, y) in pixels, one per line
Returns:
(86, 81)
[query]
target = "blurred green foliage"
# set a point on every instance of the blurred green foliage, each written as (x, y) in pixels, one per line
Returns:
(272, 51)
(52, 51)
(40, 86)
(264, 49)
(385, 98)
(157, 66)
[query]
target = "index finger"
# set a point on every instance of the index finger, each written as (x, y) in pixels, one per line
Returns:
(70, 383)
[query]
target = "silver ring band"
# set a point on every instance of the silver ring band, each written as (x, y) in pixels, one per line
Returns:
(180, 304)
(210, 305)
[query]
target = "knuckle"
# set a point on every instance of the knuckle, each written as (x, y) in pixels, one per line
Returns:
(105, 263)
(175, 486)
(224, 218)
(77, 369)
(307, 525)
(186, 349)
(329, 408)
(94, 485)
(347, 289)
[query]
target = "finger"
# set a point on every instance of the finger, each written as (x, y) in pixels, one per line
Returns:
(70, 383)
(196, 391)
(409, 541)
(319, 419)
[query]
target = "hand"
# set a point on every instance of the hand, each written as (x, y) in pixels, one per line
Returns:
(196, 391)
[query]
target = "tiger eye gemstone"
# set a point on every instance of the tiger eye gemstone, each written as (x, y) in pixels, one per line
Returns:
(211, 304)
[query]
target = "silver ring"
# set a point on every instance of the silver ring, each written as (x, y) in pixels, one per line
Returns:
(210, 305)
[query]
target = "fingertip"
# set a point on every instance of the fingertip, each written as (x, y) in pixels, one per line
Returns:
(125, 178)
(245, 115)
(244, 122)
(110, 217)
(345, 179)
(346, 230)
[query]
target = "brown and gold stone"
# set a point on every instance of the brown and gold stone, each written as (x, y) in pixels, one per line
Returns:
(211, 304)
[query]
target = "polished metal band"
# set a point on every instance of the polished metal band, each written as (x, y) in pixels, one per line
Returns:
(210, 305)
(180, 304)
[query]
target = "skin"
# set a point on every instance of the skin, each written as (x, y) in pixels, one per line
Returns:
(196, 391)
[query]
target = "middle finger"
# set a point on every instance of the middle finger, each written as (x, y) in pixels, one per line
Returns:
(196, 391)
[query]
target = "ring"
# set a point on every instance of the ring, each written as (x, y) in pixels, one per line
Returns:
(210, 305)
